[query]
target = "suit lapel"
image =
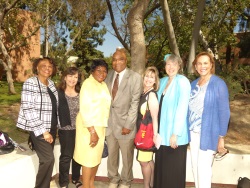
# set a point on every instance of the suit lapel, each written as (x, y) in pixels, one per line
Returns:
(110, 80)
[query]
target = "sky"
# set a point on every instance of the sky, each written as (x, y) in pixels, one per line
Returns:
(109, 45)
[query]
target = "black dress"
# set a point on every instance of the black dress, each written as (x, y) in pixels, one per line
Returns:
(143, 156)
(170, 164)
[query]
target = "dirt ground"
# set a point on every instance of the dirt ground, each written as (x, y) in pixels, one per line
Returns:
(238, 132)
(239, 127)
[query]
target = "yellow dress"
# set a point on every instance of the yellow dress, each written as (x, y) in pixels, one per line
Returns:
(95, 103)
(144, 156)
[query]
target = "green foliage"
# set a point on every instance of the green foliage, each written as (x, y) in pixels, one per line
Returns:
(236, 77)
(244, 45)
(233, 84)
(9, 106)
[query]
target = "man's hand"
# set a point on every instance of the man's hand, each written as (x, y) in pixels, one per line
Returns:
(125, 131)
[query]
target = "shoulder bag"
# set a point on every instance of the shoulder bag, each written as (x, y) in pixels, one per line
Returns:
(144, 136)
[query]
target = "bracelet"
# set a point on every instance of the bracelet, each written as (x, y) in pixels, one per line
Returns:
(221, 136)
(92, 131)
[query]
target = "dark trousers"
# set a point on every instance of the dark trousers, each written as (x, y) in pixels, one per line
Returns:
(44, 151)
(67, 141)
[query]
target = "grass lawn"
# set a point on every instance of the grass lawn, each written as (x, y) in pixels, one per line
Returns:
(9, 108)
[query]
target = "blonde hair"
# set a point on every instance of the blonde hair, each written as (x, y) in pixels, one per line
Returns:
(155, 71)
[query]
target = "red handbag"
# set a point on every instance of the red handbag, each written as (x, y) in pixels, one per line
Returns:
(144, 136)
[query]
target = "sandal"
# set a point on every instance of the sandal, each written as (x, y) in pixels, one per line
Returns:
(77, 183)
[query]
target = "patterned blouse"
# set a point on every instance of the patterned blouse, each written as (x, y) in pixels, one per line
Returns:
(73, 103)
(196, 106)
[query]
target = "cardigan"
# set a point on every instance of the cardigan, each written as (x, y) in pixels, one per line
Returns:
(36, 108)
(174, 109)
(216, 113)
(63, 109)
(95, 103)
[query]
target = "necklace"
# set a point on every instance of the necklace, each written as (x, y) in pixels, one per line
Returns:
(144, 92)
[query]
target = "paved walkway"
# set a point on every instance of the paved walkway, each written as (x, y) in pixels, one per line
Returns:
(101, 184)
(233, 148)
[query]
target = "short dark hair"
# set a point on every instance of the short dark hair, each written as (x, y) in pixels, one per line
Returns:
(71, 71)
(98, 62)
(38, 60)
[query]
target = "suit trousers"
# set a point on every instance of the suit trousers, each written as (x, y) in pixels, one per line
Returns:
(44, 151)
(126, 146)
(67, 142)
(202, 162)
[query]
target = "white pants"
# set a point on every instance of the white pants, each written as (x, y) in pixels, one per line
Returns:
(202, 162)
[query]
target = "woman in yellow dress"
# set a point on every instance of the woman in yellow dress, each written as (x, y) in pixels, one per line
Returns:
(149, 96)
(91, 122)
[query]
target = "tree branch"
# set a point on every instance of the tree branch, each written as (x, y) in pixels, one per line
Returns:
(157, 5)
(125, 45)
(72, 42)
(8, 8)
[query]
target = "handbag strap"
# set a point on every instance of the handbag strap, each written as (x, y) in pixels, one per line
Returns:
(147, 108)
(41, 97)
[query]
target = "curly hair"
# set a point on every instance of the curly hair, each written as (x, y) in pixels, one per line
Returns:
(37, 61)
(96, 63)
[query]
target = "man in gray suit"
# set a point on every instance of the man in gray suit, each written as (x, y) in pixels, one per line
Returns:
(125, 89)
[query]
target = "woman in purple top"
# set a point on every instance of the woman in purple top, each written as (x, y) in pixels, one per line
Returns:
(208, 119)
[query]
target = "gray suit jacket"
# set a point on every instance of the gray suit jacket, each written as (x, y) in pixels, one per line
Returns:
(124, 108)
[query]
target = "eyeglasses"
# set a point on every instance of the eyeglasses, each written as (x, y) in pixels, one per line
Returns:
(219, 156)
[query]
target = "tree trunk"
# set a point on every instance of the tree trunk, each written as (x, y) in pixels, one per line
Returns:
(46, 33)
(169, 27)
(7, 65)
(195, 34)
(137, 38)
(206, 47)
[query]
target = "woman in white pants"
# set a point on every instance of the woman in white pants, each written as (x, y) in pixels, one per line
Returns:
(208, 117)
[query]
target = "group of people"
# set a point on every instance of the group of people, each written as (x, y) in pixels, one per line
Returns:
(110, 105)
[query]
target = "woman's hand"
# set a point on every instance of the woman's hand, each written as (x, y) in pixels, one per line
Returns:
(93, 139)
(48, 137)
(221, 146)
(173, 141)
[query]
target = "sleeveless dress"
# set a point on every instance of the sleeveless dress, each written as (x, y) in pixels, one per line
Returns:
(143, 156)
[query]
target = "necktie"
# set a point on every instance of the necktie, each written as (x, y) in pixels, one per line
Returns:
(115, 86)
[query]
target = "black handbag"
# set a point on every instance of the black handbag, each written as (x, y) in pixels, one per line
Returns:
(6, 145)
(105, 152)
(243, 182)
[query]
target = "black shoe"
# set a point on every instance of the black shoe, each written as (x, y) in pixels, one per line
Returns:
(77, 183)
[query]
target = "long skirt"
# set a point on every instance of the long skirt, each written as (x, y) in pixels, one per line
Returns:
(170, 167)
